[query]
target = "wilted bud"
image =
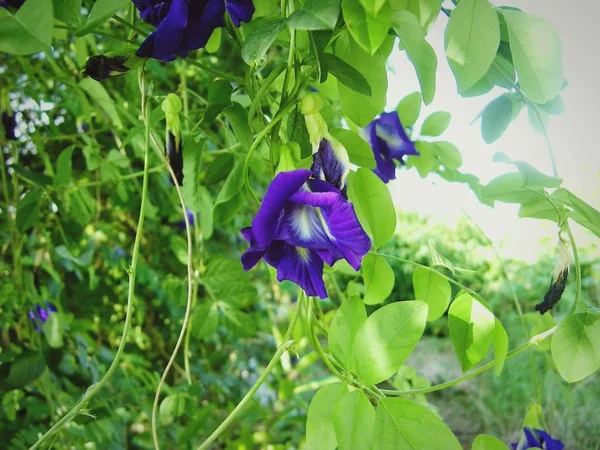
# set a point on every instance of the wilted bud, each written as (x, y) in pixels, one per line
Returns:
(331, 164)
(558, 281)
(101, 67)
(171, 105)
(9, 123)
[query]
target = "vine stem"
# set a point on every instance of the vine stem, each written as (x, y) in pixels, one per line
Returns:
(577, 268)
(188, 305)
(286, 343)
(94, 388)
(438, 387)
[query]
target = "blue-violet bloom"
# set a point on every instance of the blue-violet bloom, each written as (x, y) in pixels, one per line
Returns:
(184, 25)
(389, 142)
(190, 217)
(537, 439)
(38, 315)
(329, 166)
(301, 224)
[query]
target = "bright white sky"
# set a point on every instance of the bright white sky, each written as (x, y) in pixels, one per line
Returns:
(574, 136)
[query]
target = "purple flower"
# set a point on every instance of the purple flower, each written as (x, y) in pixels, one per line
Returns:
(39, 315)
(537, 439)
(389, 142)
(190, 216)
(11, 3)
(9, 122)
(183, 25)
(301, 224)
(329, 167)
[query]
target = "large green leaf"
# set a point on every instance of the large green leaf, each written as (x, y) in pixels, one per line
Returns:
(436, 123)
(576, 346)
(29, 30)
(353, 420)
(510, 188)
(433, 289)
(426, 11)
(219, 98)
(68, 11)
(500, 346)
(101, 11)
(320, 434)
(25, 369)
(368, 29)
(346, 74)
(420, 53)
(471, 329)
(404, 424)
(535, 48)
(378, 278)
(471, 40)
(260, 39)
(360, 108)
(28, 210)
(409, 109)
(495, 118)
(486, 442)
(227, 282)
(97, 93)
(316, 15)
(373, 205)
(346, 322)
(386, 339)
(204, 320)
(359, 151)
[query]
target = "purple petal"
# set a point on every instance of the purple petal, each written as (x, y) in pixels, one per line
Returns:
(41, 312)
(169, 37)
(152, 11)
(50, 307)
(203, 20)
(251, 256)
(390, 129)
(239, 10)
(531, 439)
(386, 167)
(284, 185)
(303, 267)
(548, 442)
(326, 166)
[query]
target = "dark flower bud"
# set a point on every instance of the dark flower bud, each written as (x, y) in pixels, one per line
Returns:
(101, 67)
(11, 3)
(9, 122)
(558, 280)
(175, 154)
(172, 106)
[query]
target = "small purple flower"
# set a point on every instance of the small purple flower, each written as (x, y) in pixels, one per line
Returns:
(537, 439)
(183, 25)
(190, 216)
(11, 3)
(329, 167)
(389, 142)
(301, 224)
(39, 315)
(9, 122)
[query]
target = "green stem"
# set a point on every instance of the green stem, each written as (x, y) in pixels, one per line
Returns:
(215, 72)
(94, 388)
(263, 90)
(577, 268)
(121, 178)
(286, 344)
(438, 387)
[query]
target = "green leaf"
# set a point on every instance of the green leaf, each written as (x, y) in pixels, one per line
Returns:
(238, 119)
(535, 47)
(227, 202)
(260, 39)
(471, 40)
(320, 434)
(409, 109)
(372, 6)
(434, 290)
(53, 330)
(368, 29)
(316, 15)
(584, 214)
(500, 346)
(29, 30)
(205, 319)
(471, 329)
(238, 323)
(67, 11)
(404, 424)
(486, 442)
(495, 118)
(386, 339)
(373, 205)
(101, 11)
(555, 106)
(360, 108)
(25, 369)
(227, 282)
(28, 210)
(97, 93)
(172, 407)
(420, 53)
(540, 209)
(510, 188)
(378, 278)
(359, 151)
(426, 11)
(436, 123)
(346, 74)
(64, 167)
(192, 154)
(346, 322)
(531, 176)
(353, 421)
(448, 154)
(426, 162)
(219, 98)
(576, 346)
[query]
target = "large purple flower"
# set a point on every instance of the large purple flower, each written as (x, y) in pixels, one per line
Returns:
(301, 224)
(184, 25)
(389, 142)
(537, 439)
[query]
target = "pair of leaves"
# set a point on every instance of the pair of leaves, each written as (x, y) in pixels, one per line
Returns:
(29, 30)
(375, 347)
(349, 421)
(367, 25)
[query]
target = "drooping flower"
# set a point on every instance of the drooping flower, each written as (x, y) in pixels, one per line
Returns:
(558, 280)
(183, 25)
(9, 123)
(171, 106)
(390, 143)
(302, 224)
(532, 438)
(101, 67)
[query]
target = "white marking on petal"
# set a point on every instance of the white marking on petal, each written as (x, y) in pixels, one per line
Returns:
(302, 223)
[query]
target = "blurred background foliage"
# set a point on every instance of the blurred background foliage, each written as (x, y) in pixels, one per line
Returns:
(77, 160)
